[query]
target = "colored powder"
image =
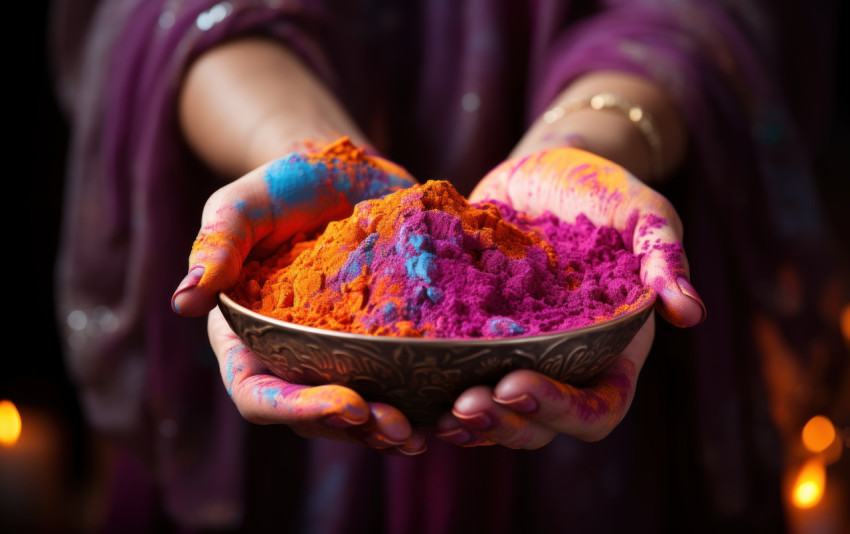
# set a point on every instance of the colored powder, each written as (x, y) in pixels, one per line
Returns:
(423, 262)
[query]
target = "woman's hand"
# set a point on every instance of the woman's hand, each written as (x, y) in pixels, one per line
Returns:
(261, 211)
(254, 216)
(526, 409)
(330, 411)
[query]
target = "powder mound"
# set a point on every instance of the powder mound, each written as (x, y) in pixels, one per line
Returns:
(423, 262)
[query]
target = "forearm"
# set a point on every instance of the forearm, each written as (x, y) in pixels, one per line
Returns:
(610, 133)
(251, 100)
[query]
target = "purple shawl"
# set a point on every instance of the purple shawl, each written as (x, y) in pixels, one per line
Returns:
(446, 88)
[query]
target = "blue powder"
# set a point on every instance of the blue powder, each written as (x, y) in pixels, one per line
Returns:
(502, 326)
(357, 258)
(420, 262)
(295, 182)
(377, 183)
(420, 265)
(231, 355)
(389, 310)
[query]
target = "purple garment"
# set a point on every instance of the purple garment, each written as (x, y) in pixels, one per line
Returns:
(445, 88)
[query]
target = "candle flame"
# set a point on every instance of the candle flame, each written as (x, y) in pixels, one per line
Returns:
(818, 434)
(808, 489)
(10, 423)
(845, 322)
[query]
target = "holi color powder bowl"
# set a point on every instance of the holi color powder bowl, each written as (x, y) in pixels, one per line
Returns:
(423, 376)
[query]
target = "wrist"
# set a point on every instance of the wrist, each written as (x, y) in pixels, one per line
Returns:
(619, 116)
(275, 137)
(614, 137)
(252, 100)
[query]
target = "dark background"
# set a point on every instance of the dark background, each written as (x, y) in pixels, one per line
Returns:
(61, 497)
(33, 374)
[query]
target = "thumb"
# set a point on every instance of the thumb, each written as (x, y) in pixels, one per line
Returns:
(664, 267)
(230, 228)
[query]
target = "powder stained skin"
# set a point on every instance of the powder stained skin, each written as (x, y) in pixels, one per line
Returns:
(423, 262)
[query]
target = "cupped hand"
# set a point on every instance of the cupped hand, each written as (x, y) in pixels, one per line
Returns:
(329, 411)
(527, 409)
(261, 211)
(253, 217)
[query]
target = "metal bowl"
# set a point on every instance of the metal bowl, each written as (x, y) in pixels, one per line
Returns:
(422, 377)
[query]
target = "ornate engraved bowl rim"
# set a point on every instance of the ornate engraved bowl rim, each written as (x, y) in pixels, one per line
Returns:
(646, 299)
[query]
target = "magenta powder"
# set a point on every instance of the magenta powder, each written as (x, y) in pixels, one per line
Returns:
(490, 295)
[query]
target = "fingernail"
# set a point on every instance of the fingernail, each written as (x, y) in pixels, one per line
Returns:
(458, 436)
(350, 415)
(478, 421)
(190, 281)
(688, 290)
(415, 445)
(384, 440)
(522, 404)
(355, 414)
(393, 425)
(340, 421)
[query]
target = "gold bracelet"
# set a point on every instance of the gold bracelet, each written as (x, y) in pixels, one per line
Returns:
(636, 114)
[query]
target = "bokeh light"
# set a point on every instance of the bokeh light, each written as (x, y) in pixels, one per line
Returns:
(818, 434)
(810, 483)
(10, 423)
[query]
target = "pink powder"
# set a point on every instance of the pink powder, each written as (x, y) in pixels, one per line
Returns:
(487, 294)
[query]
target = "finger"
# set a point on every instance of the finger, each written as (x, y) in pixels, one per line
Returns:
(387, 427)
(476, 420)
(233, 220)
(414, 446)
(664, 265)
(587, 413)
(265, 399)
(387, 431)
(235, 361)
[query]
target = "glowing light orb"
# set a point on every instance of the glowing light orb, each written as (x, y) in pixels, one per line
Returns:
(808, 488)
(10, 423)
(818, 434)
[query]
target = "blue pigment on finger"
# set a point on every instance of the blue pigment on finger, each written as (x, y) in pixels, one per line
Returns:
(270, 395)
(293, 183)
